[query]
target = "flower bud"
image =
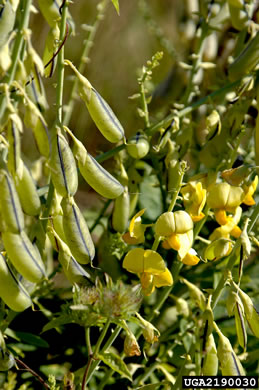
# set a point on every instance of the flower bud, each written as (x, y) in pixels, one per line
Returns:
(177, 222)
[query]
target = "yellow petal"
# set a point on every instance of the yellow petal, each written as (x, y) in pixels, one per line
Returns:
(249, 200)
(190, 258)
(146, 280)
(153, 262)
(164, 279)
(197, 218)
(186, 241)
(131, 240)
(134, 261)
(174, 241)
(133, 220)
(221, 217)
(166, 245)
(236, 232)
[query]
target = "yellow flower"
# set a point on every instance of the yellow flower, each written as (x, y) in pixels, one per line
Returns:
(194, 199)
(249, 192)
(136, 233)
(183, 244)
(150, 267)
(229, 228)
(169, 223)
(223, 196)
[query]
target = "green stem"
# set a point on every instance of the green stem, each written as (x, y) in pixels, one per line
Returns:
(25, 17)
(110, 153)
(107, 345)
(232, 259)
(183, 370)
(101, 214)
(142, 378)
(166, 122)
(60, 66)
(144, 103)
(199, 225)
(88, 43)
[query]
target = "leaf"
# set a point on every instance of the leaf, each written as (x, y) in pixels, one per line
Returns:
(116, 363)
(32, 339)
(56, 322)
(150, 198)
(116, 5)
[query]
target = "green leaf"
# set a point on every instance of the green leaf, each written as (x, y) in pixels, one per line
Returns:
(116, 5)
(151, 198)
(56, 322)
(116, 363)
(30, 339)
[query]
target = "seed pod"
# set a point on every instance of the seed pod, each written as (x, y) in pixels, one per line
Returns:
(210, 365)
(50, 11)
(100, 111)
(24, 256)
(173, 174)
(229, 362)
(11, 290)
(251, 313)
(246, 61)
(63, 167)
(27, 191)
(178, 222)
(240, 324)
(56, 223)
(95, 175)
(14, 152)
(7, 19)
(120, 215)
(49, 50)
(76, 232)
(11, 211)
(42, 138)
(138, 146)
(74, 272)
(213, 124)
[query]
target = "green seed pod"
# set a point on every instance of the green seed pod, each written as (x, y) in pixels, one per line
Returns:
(177, 222)
(12, 291)
(14, 152)
(63, 167)
(27, 191)
(229, 362)
(95, 175)
(11, 211)
(76, 232)
(138, 146)
(74, 272)
(7, 19)
(213, 124)
(56, 223)
(24, 256)
(251, 313)
(42, 138)
(246, 61)
(173, 174)
(210, 365)
(240, 324)
(51, 46)
(50, 11)
(120, 215)
(100, 111)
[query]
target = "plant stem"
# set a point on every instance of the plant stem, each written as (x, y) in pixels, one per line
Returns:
(101, 214)
(142, 378)
(107, 345)
(166, 122)
(110, 153)
(93, 357)
(24, 9)
(88, 43)
(37, 376)
(60, 66)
